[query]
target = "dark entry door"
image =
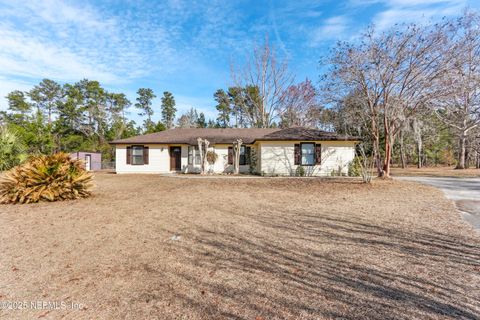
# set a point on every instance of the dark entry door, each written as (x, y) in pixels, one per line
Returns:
(175, 158)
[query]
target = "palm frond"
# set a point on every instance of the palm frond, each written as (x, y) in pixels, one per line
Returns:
(46, 178)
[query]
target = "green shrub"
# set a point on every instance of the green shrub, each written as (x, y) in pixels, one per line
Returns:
(300, 171)
(12, 150)
(253, 161)
(46, 178)
(355, 167)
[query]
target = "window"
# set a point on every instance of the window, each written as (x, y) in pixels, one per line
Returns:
(307, 154)
(193, 155)
(137, 155)
(244, 155)
(197, 155)
(190, 155)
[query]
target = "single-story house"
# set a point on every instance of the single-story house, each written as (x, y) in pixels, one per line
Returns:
(264, 151)
(93, 160)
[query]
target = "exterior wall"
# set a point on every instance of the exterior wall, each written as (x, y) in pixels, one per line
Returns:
(158, 160)
(277, 158)
(95, 158)
(220, 166)
(272, 158)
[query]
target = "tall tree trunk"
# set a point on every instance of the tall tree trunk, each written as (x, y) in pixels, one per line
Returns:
(237, 145)
(477, 164)
(388, 148)
(467, 154)
(419, 151)
(388, 158)
(376, 149)
(402, 152)
(462, 151)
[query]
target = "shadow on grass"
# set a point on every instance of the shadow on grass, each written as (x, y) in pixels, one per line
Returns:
(240, 275)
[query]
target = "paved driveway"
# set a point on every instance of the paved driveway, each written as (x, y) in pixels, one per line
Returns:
(465, 192)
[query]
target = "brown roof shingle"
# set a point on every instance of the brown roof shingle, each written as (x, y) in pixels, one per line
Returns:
(228, 135)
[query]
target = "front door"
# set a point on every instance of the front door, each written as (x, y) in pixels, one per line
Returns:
(88, 162)
(175, 158)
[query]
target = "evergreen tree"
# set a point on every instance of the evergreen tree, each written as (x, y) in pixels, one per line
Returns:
(201, 122)
(144, 103)
(223, 108)
(18, 106)
(168, 109)
(46, 96)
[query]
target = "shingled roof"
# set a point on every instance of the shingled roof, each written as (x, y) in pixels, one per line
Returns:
(228, 135)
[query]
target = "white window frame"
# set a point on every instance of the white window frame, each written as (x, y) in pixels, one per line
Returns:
(313, 154)
(134, 156)
(194, 152)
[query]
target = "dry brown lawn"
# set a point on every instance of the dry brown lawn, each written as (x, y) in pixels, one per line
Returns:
(266, 248)
(436, 172)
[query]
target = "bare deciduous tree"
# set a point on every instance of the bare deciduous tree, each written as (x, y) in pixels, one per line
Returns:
(267, 78)
(299, 106)
(459, 108)
(203, 149)
(237, 147)
(392, 74)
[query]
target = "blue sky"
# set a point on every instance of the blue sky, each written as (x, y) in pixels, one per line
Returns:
(186, 47)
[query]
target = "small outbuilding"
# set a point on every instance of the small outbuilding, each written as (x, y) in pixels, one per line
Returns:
(93, 160)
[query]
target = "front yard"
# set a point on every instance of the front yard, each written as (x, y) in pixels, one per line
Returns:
(439, 171)
(151, 247)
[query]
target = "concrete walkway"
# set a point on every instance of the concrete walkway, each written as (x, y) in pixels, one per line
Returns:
(465, 192)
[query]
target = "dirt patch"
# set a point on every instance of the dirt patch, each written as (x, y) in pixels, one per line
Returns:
(150, 247)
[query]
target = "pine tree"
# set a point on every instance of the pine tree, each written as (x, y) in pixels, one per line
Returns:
(223, 108)
(168, 109)
(201, 122)
(144, 103)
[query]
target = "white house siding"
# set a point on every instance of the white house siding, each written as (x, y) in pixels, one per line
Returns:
(221, 165)
(273, 158)
(158, 160)
(277, 158)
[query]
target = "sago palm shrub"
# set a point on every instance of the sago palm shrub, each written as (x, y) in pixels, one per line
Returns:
(46, 178)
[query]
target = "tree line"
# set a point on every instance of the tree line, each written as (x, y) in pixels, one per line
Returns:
(82, 116)
(411, 82)
(411, 93)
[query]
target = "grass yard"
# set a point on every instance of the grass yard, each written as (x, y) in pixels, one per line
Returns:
(436, 172)
(244, 249)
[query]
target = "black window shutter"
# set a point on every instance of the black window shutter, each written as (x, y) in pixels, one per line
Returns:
(297, 155)
(230, 155)
(129, 155)
(318, 154)
(145, 155)
(247, 155)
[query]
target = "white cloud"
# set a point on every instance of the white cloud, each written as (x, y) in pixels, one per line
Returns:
(22, 55)
(332, 28)
(61, 12)
(67, 42)
(418, 11)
